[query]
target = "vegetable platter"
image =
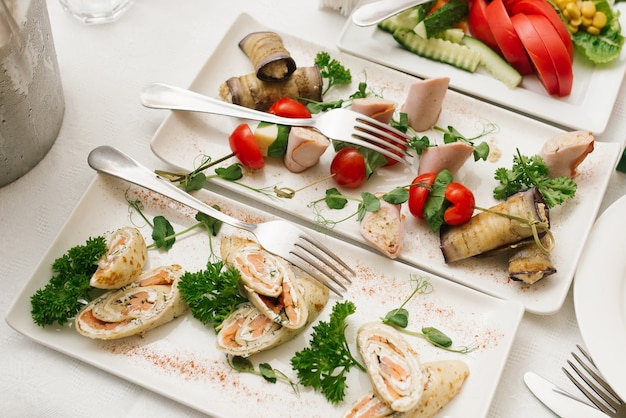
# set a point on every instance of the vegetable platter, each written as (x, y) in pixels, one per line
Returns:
(184, 137)
(180, 361)
(588, 106)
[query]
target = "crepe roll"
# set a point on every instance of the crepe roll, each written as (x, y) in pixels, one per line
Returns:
(149, 302)
(384, 229)
(444, 380)
(248, 91)
(271, 60)
(123, 261)
(248, 331)
(392, 365)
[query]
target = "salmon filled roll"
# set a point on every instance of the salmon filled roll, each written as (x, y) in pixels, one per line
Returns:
(145, 304)
(123, 261)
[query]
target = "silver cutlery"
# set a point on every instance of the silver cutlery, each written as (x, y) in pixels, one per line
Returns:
(559, 401)
(279, 237)
(595, 388)
(375, 12)
(339, 124)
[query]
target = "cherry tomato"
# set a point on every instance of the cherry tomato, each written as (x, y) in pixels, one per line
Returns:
(289, 108)
(418, 193)
(478, 25)
(537, 51)
(541, 7)
(462, 204)
(507, 37)
(348, 168)
(243, 144)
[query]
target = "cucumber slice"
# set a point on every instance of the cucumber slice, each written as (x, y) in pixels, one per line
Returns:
(439, 50)
(446, 17)
(406, 19)
(497, 66)
(452, 35)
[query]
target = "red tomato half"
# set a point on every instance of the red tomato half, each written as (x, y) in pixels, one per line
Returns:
(478, 25)
(243, 144)
(507, 37)
(543, 8)
(418, 193)
(537, 52)
(289, 108)
(557, 51)
(348, 168)
(462, 204)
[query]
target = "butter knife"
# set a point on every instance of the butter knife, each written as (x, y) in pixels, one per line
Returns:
(559, 401)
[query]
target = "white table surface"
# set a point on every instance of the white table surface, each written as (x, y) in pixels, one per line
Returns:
(103, 69)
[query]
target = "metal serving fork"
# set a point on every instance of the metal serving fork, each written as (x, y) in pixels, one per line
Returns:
(339, 124)
(602, 396)
(279, 237)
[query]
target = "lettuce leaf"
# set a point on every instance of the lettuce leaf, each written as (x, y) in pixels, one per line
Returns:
(606, 46)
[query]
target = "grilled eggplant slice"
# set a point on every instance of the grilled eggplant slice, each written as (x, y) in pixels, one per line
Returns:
(248, 331)
(145, 304)
(531, 263)
(271, 60)
(489, 232)
(124, 260)
(247, 90)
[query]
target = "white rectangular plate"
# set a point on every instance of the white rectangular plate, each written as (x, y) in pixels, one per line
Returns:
(184, 137)
(588, 107)
(180, 361)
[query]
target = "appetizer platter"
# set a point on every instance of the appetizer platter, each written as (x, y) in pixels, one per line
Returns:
(588, 106)
(180, 360)
(601, 280)
(185, 138)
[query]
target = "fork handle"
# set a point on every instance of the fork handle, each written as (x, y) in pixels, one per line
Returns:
(166, 96)
(111, 161)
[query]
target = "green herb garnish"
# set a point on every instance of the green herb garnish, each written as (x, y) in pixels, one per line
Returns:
(266, 371)
(68, 289)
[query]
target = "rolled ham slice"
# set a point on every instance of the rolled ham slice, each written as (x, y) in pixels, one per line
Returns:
(123, 261)
(305, 146)
(377, 108)
(384, 229)
(423, 102)
(563, 153)
(449, 156)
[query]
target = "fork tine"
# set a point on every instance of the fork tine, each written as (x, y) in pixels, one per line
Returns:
(367, 135)
(601, 406)
(400, 137)
(378, 133)
(356, 141)
(598, 378)
(314, 246)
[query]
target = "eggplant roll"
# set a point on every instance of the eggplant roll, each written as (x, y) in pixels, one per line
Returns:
(124, 260)
(248, 331)
(145, 304)
(392, 365)
(530, 263)
(271, 60)
(247, 90)
(444, 380)
(489, 232)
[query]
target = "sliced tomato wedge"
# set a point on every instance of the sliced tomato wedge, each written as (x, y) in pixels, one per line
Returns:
(478, 25)
(557, 51)
(537, 52)
(543, 8)
(507, 37)
(243, 144)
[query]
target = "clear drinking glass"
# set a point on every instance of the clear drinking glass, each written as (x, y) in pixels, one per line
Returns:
(96, 11)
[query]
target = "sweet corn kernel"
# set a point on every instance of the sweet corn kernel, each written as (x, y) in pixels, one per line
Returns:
(588, 9)
(599, 20)
(592, 30)
(573, 10)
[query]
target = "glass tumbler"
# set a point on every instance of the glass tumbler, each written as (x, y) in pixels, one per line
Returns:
(96, 11)
(31, 96)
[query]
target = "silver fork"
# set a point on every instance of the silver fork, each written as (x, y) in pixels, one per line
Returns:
(278, 237)
(603, 397)
(339, 124)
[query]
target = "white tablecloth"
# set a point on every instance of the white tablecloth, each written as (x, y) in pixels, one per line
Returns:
(103, 69)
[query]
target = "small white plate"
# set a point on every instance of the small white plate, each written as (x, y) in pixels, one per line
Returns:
(185, 136)
(588, 107)
(600, 294)
(179, 360)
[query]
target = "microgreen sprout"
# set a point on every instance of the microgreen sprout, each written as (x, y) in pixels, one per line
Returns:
(266, 371)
